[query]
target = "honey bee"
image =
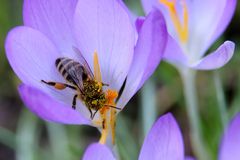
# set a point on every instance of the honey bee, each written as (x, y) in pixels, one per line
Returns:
(80, 78)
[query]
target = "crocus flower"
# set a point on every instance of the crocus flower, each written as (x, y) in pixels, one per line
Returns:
(163, 142)
(102, 33)
(230, 145)
(193, 26)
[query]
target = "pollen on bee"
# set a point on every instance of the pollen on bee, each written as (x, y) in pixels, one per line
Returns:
(94, 102)
(60, 86)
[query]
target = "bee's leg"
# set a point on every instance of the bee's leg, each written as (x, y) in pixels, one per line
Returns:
(91, 114)
(74, 101)
(94, 114)
(58, 85)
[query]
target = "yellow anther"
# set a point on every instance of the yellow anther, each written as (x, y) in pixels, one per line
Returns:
(181, 29)
(97, 69)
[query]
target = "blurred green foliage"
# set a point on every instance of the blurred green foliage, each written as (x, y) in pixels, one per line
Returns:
(24, 136)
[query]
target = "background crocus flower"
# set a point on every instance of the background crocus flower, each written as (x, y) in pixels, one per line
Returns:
(163, 142)
(230, 145)
(193, 27)
(52, 28)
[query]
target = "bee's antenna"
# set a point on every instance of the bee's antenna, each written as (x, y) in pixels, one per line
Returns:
(111, 106)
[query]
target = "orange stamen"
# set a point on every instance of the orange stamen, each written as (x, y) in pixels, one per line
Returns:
(111, 95)
(113, 123)
(104, 117)
(181, 29)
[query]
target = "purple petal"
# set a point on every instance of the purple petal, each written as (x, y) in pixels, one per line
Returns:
(148, 5)
(139, 22)
(98, 151)
(189, 158)
(216, 59)
(104, 26)
(208, 18)
(31, 55)
(54, 18)
(174, 53)
(148, 53)
(49, 109)
(131, 14)
(155, 48)
(226, 17)
(164, 141)
(230, 145)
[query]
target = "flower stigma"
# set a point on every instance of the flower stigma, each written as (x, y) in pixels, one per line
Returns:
(107, 112)
(181, 28)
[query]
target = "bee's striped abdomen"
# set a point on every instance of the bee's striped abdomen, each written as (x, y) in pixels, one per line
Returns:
(69, 69)
(61, 64)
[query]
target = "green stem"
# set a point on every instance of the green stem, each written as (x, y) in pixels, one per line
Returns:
(7, 138)
(127, 147)
(59, 141)
(221, 99)
(199, 148)
(27, 136)
(148, 106)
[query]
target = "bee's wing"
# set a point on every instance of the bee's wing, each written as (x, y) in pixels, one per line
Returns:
(84, 63)
(76, 77)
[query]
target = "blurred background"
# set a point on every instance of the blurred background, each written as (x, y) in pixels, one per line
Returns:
(23, 136)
